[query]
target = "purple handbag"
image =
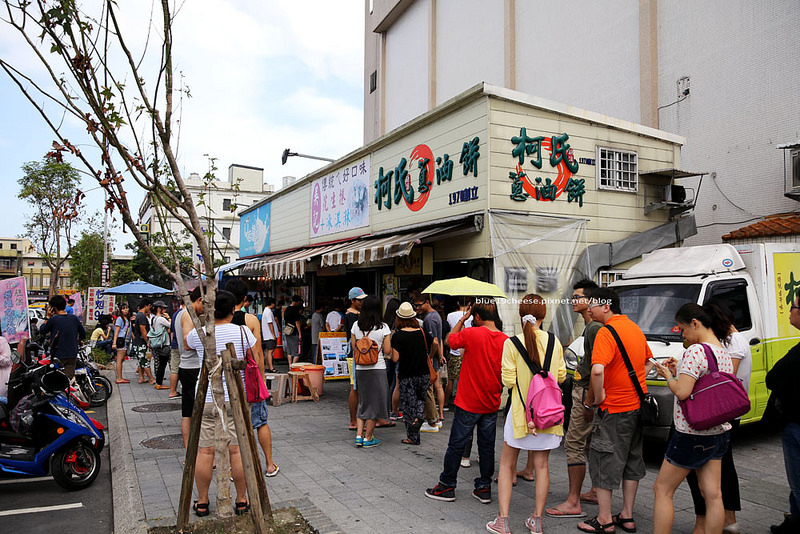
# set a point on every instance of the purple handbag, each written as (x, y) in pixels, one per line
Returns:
(717, 397)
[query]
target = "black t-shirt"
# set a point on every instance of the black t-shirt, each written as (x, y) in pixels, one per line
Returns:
(782, 381)
(64, 330)
(141, 320)
(350, 319)
(292, 316)
(238, 318)
(412, 350)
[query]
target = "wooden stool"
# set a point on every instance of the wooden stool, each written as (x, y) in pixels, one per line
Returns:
(279, 390)
(297, 377)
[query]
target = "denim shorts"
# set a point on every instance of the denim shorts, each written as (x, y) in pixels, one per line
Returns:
(691, 451)
(258, 414)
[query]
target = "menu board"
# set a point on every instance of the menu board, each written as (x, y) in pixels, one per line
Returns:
(333, 346)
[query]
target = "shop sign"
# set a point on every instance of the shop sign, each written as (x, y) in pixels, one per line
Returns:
(561, 158)
(254, 232)
(14, 309)
(465, 195)
(340, 200)
(98, 303)
(397, 184)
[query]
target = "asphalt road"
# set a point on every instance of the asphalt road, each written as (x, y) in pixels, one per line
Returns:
(39, 505)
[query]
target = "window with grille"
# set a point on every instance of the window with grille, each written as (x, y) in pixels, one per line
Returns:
(607, 277)
(617, 170)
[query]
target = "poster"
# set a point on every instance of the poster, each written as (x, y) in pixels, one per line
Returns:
(97, 304)
(340, 200)
(254, 232)
(77, 308)
(14, 309)
(333, 346)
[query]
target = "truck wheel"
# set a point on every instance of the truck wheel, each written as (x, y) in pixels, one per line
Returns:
(75, 466)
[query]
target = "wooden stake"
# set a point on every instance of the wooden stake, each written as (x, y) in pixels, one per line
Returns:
(191, 451)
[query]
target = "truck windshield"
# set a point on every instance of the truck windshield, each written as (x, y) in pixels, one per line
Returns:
(653, 307)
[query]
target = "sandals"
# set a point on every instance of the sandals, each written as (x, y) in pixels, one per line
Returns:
(273, 473)
(618, 521)
(123, 381)
(416, 424)
(595, 527)
(408, 441)
(200, 509)
(241, 508)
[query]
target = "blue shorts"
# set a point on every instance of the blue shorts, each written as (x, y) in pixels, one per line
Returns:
(258, 414)
(691, 451)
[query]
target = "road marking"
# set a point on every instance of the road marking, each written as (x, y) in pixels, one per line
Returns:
(41, 509)
(23, 480)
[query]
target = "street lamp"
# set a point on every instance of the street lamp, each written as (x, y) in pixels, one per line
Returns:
(287, 154)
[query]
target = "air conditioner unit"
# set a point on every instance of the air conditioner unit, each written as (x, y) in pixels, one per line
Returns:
(796, 168)
(675, 193)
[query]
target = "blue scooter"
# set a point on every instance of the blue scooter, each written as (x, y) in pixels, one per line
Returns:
(46, 433)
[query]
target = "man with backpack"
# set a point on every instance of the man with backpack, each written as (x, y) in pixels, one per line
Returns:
(477, 400)
(158, 337)
(615, 454)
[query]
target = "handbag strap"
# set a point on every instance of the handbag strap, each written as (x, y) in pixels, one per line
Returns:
(711, 357)
(627, 360)
(247, 356)
(532, 365)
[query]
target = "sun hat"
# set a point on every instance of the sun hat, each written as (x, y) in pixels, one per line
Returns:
(406, 311)
(356, 293)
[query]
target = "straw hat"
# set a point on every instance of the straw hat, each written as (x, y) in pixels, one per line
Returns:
(406, 311)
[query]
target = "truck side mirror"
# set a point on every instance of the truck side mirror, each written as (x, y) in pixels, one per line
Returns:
(755, 341)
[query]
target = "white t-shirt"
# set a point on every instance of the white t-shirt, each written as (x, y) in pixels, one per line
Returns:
(333, 321)
(739, 349)
(452, 319)
(159, 321)
(695, 364)
(268, 317)
(241, 337)
(377, 335)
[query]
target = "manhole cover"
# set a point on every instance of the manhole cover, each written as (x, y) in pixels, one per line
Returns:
(170, 441)
(158, 407)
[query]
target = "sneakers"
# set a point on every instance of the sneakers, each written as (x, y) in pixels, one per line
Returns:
(359, 441)
(534, 524)
(466, 463)
(374, 442)
(429, 428)
(440, 424)
(483, 494)
(500, 525)
(441, 493)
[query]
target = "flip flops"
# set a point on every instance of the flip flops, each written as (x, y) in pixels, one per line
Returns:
(273, 473)
(560, 512)
(123, 381)
(390, 423)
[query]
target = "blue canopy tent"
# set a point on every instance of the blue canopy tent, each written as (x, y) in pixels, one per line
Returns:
(138, 287)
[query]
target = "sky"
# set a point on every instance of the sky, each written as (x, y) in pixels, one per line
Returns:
(263, 76)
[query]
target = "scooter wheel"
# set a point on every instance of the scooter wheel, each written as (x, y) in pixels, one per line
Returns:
(75, 466)
(103, 389)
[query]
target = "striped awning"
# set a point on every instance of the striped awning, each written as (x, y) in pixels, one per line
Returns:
(291, 264)
(377, 248)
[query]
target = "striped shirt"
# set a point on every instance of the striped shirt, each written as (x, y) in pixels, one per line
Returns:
(241, 337)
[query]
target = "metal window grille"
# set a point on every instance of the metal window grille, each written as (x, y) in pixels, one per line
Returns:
(607, 277)
(617, 170)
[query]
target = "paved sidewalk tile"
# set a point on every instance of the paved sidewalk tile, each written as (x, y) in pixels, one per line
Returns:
(339, 488)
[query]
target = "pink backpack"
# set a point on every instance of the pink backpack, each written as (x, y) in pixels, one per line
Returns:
(544, 405)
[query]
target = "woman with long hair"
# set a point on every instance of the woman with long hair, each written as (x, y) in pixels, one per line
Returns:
(518, 434)
(122, 327)
(373, 389)
(690, 448)
(411, 348)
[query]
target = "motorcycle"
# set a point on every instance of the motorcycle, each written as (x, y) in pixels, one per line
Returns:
(89, 388)
(42, 432)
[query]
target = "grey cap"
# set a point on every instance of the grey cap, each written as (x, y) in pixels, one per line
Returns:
(159, 304)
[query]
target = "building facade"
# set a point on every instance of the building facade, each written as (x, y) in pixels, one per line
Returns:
(221, 199)
(18, 257)
(495, 184)
(721, 77)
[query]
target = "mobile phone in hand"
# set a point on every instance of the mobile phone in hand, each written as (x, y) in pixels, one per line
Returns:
(653, 361)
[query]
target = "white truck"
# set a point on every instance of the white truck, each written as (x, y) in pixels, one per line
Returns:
(758, 282)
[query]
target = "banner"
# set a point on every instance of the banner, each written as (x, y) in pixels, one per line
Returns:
(333, 346)
(340, 200)
(97, 304)
(77, 308)
(14, 309)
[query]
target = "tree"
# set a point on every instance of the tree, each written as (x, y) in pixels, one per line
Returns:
(87, 257)
(148, 271)
(126, 99)
(122, 273)
(50, 188)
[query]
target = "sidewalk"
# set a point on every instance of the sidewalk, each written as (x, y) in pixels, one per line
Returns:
(339, 488)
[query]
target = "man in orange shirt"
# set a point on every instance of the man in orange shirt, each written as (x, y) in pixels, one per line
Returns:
(615, 454)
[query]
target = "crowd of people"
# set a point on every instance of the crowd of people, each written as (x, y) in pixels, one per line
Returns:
(400, 373)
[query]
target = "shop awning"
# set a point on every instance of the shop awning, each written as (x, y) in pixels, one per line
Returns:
(231, 266)
(291, 264)
(378, 248)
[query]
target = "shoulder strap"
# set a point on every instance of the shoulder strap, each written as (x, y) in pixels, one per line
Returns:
(627, 360)
(711, 357)
(425, 340)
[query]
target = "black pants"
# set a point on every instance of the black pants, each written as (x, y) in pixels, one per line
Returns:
(188, 379)
(160, 361)
(729, 482)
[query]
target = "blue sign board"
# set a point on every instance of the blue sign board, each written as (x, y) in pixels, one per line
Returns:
(254, 232)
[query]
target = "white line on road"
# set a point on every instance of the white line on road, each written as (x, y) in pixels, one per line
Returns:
(41, 509)
(22, 480)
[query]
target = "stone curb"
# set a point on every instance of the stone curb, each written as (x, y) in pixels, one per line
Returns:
(129, 515)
